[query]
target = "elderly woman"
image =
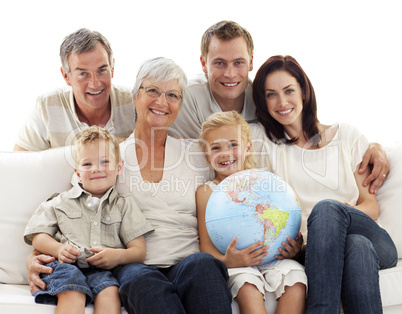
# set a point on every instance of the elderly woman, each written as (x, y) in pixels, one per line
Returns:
(162, 173)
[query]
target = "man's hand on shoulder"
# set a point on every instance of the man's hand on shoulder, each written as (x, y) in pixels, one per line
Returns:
(376, 158)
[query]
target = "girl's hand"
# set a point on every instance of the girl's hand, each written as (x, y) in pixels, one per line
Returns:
(293, 248)
(68, 254)
(104, 258)
(250, 256)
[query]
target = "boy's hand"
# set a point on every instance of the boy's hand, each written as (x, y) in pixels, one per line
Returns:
(68, 254)
(250, 256)
(104, 258)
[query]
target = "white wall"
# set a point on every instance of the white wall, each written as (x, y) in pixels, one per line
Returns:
(351, 50)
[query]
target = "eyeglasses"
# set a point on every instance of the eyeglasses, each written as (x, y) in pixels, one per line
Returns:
(156, 92)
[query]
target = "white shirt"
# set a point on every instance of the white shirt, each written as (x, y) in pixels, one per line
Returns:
(168, 205)
(317, 174)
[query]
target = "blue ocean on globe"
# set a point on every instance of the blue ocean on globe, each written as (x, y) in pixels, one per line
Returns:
(253, 205)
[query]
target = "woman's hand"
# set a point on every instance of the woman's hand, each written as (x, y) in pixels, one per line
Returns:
(293, 248)
(250, 256)
(35, 266)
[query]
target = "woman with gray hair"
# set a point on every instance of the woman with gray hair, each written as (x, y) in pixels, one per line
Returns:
(162, 173)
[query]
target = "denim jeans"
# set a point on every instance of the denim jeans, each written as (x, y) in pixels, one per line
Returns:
(67, 277)
(197, 284)
(345, 251)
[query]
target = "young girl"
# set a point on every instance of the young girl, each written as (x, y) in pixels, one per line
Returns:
(345, 246)
(226, 140)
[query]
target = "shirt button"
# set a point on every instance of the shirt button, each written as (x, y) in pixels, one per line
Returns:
(95, 223)
(107, 218)
(94, 243)
(89, 204)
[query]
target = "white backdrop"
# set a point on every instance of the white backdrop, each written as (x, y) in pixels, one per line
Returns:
(351, 50)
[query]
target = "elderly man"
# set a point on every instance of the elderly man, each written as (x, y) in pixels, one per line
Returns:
(87, 66)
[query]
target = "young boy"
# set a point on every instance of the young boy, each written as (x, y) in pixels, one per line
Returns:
(89, 229)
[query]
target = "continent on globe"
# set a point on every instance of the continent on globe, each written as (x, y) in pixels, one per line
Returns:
(273, 221)
(253, 205)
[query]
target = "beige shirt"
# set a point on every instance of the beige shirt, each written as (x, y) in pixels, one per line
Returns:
(199, 103)
(53, 122)
(71, 219)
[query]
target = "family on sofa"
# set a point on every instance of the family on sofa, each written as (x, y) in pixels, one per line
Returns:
(157, 125)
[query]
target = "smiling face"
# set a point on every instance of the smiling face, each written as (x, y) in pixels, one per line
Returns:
(227, 65)
(284, 99)
(226, 150)
(97, 168)
(157, 112)
(90, 78)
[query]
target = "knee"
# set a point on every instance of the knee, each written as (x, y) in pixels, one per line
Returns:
(325, 211)
(204, 265)
(360, 247)
(206, 262)
(108, 297)
(131, 273)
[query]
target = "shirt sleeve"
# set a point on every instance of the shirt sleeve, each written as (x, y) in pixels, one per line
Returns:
(43, 220)
(33, 136)
(357, 143)
(133, 223)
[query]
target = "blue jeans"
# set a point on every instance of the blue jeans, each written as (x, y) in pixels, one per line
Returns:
(67, 277)
(197, 284)
(345, 251)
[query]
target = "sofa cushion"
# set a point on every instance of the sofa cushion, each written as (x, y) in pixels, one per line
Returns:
(389, 196)
(27, 179)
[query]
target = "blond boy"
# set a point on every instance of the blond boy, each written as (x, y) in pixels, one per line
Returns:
(89, 229)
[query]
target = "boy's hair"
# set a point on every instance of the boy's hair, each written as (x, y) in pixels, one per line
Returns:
(225, 30)
(93, 134)
(228, 118)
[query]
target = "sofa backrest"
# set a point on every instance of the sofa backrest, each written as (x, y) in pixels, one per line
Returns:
(28, 178)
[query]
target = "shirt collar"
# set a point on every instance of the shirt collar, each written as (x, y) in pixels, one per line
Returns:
(77, 191)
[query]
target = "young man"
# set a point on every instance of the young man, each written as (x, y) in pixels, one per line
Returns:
(87, 66)
(226, 58)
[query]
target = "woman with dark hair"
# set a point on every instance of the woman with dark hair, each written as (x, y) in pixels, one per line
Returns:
(346, 247)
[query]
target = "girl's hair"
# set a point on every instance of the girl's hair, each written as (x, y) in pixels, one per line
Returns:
(93, 134)
(274, 130)
(228, 118)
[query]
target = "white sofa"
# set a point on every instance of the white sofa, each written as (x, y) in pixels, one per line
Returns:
(29, 178)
